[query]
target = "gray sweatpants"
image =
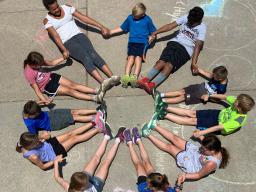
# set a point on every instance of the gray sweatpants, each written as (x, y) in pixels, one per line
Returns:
(81, 49)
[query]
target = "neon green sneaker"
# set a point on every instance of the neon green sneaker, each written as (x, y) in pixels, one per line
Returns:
(125, 79)
(145, 131)
(133, 81)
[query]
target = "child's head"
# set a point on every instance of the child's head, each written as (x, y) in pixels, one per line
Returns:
(220, 73)
(47, 3)
(34, 60)
(31, 109)
(195, 16)
(212, 145)
(157, 181)
(28, 141)
(244, 103)
(78, 182)
(139, 10)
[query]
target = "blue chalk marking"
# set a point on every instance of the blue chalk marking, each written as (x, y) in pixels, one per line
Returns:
(214, 8)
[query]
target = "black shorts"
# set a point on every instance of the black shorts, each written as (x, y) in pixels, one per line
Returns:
(176, 54)
(193, 93)
(52, 86)
(136, 49)
(207, 118)
(57, 147)
(141, 179)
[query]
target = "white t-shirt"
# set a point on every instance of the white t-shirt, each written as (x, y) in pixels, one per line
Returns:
(65, 27)
(188, 36)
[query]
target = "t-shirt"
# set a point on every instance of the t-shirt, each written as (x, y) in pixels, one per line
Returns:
(188, 36)
(65, 27)
(143, 187)
(214, 86)
(42, 122)
(230, 118)
(139, 29)
(37, 77)
(45, 152)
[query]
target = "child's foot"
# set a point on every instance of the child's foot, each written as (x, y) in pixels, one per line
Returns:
(127, 135)
(153, 121)
(161, 114)
(142, 82)
(103, 109)
(100, 123)
(146, 85)
(145, 131)
(108, 130)
(115, 80)
(136, 135)
(120, 134)
(98, 98)
(125, 80)
(133, 81)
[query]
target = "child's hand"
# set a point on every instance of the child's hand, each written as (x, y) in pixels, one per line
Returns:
(194, 69)
(197, 134)
(65, 54)
(151, 38)
(58, 159)
(205, 97)
(105, 31)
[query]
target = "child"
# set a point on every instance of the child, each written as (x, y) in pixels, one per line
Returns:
(196, 162)
(140, 27)
(197, 93)
(227, 120)
(148, 180)
(42, 152)
(88, 180)
(53, 84)
(37, 120)
(186, 45)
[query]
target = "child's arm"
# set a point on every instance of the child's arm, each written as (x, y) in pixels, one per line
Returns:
(198, 133)
(54, 62)
(42, 98)
(35, 160)
(204, 73)
(218, 96)
(165, 28)
(116, 30)
(57, 177)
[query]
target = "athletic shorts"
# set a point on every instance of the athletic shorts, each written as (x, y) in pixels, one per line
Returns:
(207, 118)
(136, 49)
(57, 147)
(60, 118)
(175, 54)
(193, 93)
(188, 160)
(82, 50)
(97, 182)
(52, 86)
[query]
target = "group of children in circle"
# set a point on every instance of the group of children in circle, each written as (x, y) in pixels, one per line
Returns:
(45, 151)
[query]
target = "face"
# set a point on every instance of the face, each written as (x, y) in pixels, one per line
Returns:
(206, 151)
(138, 16)
(217, 79)
(54, 9)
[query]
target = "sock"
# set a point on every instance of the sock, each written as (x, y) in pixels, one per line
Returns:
(107, 137)
(152, 73)
(164, 100)
(162, 95)
(159, 79)
(117, 140)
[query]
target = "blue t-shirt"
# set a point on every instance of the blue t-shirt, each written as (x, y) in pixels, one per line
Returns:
(42, 122)
(139, 29)
(143, 187)
(217, 86)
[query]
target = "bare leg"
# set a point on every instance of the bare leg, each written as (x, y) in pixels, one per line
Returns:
(175, 100)
(63, 90)
(136, 161)
(97, 76)
(68, 144)
(95, 160)
(168, 135)
(83, 118)
(129, 65)
(106, 70)
(182, 112)
(104, 168)
(166, 147)
(181, 120)
(174, 93)
(65, 136)
(145, 158)
(83, 111)
(167, 69)
(73, 85)
(138, 63)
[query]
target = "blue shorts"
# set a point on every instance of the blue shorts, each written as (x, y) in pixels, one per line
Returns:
(207, 118)
(136, 49)
(96, 182)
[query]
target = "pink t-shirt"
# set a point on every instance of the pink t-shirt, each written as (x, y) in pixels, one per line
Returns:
(34, 76)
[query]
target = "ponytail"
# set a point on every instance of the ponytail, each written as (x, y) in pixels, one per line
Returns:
(18, 148)
(225, 158)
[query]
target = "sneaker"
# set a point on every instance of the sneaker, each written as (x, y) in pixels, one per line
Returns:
(149, 86)
(152, 123)
(115, 80)
(100, 123)
(108, 130)
(125, 80)
(141, 82)
(127, 135)
(135, 134)
(103, 109)
(98, 98)
(106, 85)
(161, 114)
(133, 81)
(120, 134)
(145, 131)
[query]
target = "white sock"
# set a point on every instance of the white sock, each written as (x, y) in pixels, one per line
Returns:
(162, 94)
(117, 140)
(107, 137)
(164, 100)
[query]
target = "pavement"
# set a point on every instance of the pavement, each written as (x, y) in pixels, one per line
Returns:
(230, 41)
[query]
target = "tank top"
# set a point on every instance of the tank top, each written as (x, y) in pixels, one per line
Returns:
(65, 27)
